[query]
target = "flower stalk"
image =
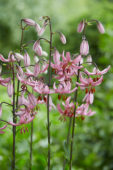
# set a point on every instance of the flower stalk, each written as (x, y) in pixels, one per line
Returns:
(48, 96)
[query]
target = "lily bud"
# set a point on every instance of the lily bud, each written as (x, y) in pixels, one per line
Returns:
(84, 47)
(89, 59)
(37, 48)
(10, 89)
(42, 30)
(37, 27)
(19, 57)
(36, 59)
(26, 59)
(36, 70)
(32, 99)
(0, 109)
(44, 53)
(29, 21)
(0, 69)
(62, 38)
(100, 27)
(80, 26)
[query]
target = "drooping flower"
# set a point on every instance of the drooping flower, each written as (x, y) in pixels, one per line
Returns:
(84, 47)
(100, 27)
(10, 89)
(81, 26)
(83, 110)
(97, 71)
(64, 87)
(37, 48)
(26, 59)
(68, 108)
(62, 38)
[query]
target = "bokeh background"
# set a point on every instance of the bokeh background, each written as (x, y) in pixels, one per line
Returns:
(93, 143)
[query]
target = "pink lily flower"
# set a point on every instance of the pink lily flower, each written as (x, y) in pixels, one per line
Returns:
(68, 108)
(64, 87)
(97, 71)
(84, 110)
(42, 88)
(89, 97)
(89, 82)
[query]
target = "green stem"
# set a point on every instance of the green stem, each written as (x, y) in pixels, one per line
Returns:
(14, 121)
(68, 140)
(31, 145)
(73, 124)
(48, 119)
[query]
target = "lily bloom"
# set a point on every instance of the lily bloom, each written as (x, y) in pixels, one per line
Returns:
(97, 71)
(68, 108)
(89, 82)
(64, 87)
(84, 110)
(42, 88)
(89, 85)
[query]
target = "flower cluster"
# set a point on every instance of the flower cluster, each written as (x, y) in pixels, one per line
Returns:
(65, 69)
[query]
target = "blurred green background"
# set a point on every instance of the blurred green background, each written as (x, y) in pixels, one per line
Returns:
(93, 143)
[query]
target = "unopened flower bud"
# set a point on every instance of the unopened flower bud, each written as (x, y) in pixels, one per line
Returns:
(36, 59)
(37, 27)
(0, 69)
(29, 21)
(37, 48)
(36, 70)
(62, 38)
(26, 59)
(100, 27)
(89, 59)
(0, 109)
(19, 57)
(44, 53)
(80, 26)
(84, 47)
(10, 89)
(42, 30)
